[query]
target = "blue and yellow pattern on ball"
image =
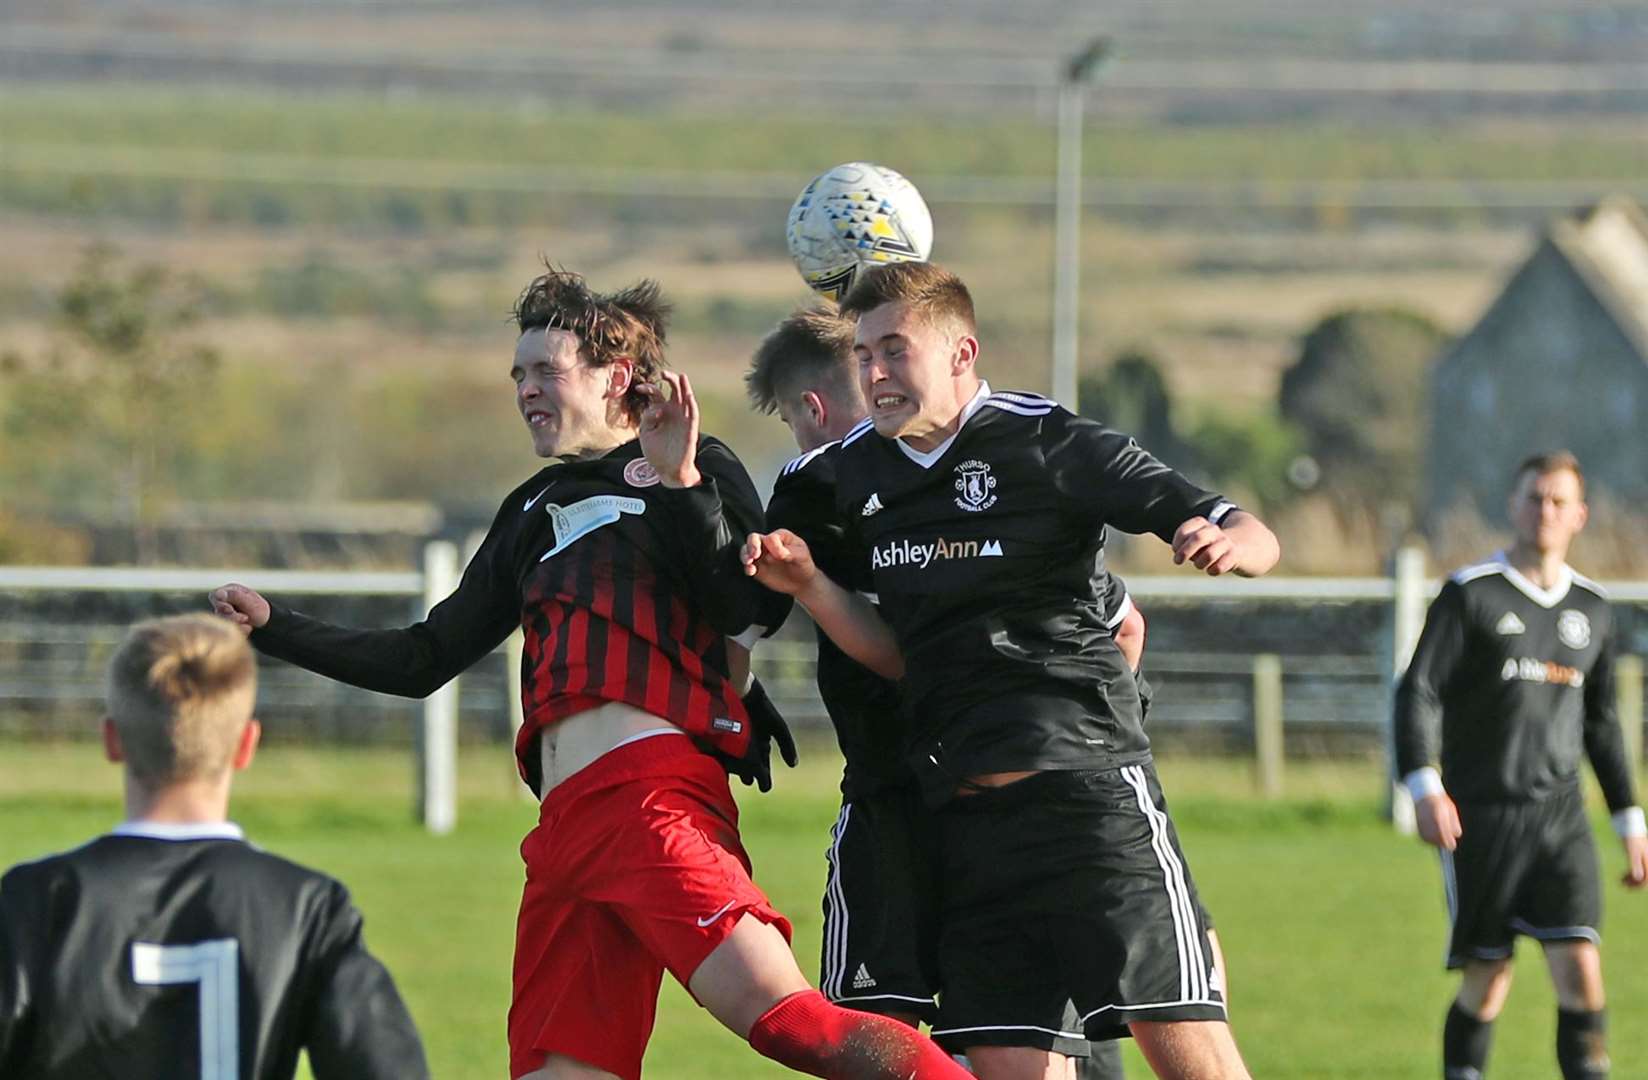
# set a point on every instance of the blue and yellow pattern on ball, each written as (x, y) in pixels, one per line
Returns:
(857, 214)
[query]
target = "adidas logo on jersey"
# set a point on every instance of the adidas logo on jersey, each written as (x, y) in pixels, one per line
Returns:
(861, 978)
(1509, 624)
(873, 505)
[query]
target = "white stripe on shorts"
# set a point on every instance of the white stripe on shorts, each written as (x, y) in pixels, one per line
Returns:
(1556, 933)
(1450, 885)
(1193, 975)
(1010, 1027)
(834, 975)
(1450, 894)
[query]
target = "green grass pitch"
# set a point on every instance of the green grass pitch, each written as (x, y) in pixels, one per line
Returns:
(1332, 924)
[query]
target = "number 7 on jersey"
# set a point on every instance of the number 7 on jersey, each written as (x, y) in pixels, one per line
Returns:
(215, 965)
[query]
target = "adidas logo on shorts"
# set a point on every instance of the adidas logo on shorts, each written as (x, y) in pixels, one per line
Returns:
(861, 978)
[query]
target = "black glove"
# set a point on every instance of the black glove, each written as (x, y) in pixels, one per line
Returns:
(766, 727)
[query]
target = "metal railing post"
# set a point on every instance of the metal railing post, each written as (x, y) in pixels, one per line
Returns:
(1268, 755)
(1407, 620)
(438, 760)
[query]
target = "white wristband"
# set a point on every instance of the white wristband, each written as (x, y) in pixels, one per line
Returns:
(1630, 822)
(1423, 782)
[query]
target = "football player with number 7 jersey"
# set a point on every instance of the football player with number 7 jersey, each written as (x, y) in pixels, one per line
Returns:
(170, 946)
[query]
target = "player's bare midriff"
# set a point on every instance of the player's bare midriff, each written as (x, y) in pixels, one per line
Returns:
(994, 780)
(573, 743)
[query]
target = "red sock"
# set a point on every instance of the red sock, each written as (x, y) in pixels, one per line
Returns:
(808, 1034)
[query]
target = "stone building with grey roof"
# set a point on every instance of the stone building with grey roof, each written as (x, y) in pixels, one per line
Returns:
(1560, 359)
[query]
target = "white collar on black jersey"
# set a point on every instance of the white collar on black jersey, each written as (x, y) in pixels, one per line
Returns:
(166, 830)
(928, 458)
(1546, 598)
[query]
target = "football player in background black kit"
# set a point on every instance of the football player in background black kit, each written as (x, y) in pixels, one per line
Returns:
(880, 899)
(1515, 667)
(171, 947)
(983, 518)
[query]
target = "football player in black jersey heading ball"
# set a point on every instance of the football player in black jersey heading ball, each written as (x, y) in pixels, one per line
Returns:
(880, 910)
(1512, 680)
(172, 947)
(982, 517)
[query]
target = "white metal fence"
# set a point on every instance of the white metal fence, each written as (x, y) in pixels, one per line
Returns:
(1232, 659)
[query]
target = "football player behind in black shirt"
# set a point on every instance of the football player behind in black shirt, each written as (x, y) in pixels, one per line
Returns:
(1514, 671)
(171, 947)
(983, 517)
(879, 897)
(879, 902)
(619, 562)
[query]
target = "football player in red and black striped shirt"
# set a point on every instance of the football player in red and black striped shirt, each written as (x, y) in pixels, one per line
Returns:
(619, 561)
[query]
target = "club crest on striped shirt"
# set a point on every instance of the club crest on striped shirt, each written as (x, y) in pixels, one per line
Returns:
(640, 473)
(975, 485)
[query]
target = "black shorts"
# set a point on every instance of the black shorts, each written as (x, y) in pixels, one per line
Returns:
(1067, 889)
(880, 907)
(1521, 868)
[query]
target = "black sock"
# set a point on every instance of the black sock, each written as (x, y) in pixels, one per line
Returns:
(1465, 1042)
(1582, 1044)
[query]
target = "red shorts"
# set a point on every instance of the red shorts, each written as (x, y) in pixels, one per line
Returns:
(635, 867)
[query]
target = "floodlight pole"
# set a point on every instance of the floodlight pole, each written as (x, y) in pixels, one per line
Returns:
(1067, 218)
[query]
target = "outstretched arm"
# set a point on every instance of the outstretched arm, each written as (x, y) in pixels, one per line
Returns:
(1239, 544)
(782, 562)
(411, 661)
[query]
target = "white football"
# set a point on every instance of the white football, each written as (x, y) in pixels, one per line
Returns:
(854, 215)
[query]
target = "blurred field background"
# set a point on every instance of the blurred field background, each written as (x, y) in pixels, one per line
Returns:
(256, 261)
(1332, 924)
(341, 200)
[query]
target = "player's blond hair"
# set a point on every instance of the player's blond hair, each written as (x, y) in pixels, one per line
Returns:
(1549, 462)
(931, 291)
(180, 692)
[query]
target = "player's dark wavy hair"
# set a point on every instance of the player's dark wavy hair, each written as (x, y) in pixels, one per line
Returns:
(628, 323)
(810, 350)
(932, 291)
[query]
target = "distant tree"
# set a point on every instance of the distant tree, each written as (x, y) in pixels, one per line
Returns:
(1358, 394)
(107, 414)
(1132, 396)
(1249, 456)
